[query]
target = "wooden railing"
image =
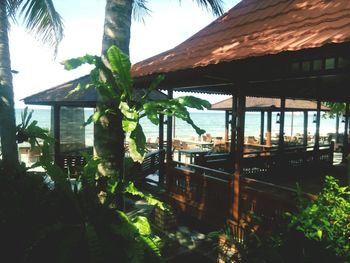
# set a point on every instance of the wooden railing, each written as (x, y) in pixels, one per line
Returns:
(204, 193)
(152, 162)
(258, 163)
(268, 202)
(73, 163)
(292, 158)
(199, 192)
(266, 199)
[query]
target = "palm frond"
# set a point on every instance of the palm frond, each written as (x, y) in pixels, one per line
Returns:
(140, 10)
(215, 6)
(12, 7)
(41, 18)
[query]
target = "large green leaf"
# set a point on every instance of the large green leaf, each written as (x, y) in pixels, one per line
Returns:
(77, 62)
(142, 225)
(127, 111)
(174, 107)
(130, 188)
(153, 86)
(120, 66)
(137, 144)
(193, 102)
(130, 117)
(152, 109)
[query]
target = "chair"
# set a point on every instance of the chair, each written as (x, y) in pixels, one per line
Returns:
(209, 138)
(252, 140)
(177, 144)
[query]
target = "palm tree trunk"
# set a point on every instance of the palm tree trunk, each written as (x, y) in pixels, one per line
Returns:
(7, 111)
(109, 137)
(117, 25)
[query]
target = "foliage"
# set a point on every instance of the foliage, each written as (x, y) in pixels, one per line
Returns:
(140, 7)
(40, 17)
(131, 189)
(68, 225)
(335, 108)
(259, 244)
(318, 232)
(117, 83)
(28, 131)
(27, 206)
(326, 221)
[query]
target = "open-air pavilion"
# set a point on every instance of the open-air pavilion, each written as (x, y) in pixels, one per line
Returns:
(268, 106)
(68, 117)
(295, 49)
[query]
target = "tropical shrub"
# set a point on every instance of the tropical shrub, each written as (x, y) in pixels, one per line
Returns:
(325, 223)
(319, 231)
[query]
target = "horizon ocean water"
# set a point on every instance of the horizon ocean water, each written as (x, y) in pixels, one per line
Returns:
(211, 121)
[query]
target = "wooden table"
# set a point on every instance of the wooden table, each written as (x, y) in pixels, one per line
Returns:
(192, 153)
(199, 144)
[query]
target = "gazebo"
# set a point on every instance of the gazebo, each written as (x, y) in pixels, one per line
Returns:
(67, 117)
(269, 105)
(296, 49)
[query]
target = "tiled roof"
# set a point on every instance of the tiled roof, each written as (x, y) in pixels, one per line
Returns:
(256, 28)
(259, 104)
(84, 98)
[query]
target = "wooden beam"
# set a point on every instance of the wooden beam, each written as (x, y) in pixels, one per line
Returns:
(262, 126)
(318, 121)
(169, 132)
(281, 134)
(241, 101)
(57, 132)
(161, 147)
(306, 121)
(269, 128)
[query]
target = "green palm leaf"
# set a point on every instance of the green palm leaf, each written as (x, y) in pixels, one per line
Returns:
(41, 18)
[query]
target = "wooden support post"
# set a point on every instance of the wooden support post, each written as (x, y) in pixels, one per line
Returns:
(346, 133)
(262, 126)
(269, 128)
(227, 116)
(169, 133)
(318, 120)
(233, 126)
(337, 130)
(161, 147)
(238, 162)
(281, 134)
(306, 121)
(226, 139)
(291, 123)
(57, 132)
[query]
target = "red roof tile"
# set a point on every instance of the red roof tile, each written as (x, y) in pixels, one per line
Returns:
(256, 28)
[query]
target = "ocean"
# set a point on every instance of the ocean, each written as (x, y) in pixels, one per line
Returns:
(211, 121)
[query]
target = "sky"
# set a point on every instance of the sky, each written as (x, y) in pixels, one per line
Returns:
(168, 24)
